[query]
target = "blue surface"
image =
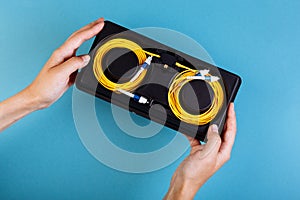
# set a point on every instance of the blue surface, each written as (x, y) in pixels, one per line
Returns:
(41, 156)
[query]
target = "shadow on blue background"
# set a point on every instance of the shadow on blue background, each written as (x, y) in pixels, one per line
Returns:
(41, 156)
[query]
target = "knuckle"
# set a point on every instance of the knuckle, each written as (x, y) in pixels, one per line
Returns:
(217, 138)
(77, 60)
(56, 52)
(59, 52)
(73, 34)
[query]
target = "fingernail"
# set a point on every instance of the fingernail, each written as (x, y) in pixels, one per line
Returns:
(214, 128)
(86, 59)
(100, 20)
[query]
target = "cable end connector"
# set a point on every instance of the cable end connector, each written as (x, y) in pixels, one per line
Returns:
(140, 99)
(143, 100)
(145, 65)
(202, 72)
(214, 78)
(135, 97)
(204, 78)
(195, 77)
(147, 62)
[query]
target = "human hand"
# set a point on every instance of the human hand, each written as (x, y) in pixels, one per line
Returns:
(60, 70)
(54, 79)
(204, 160)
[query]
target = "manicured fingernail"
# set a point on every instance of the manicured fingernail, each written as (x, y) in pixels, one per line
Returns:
(86, 59)
(214, 128)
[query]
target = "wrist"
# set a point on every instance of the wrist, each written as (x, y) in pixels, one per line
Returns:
(16, 107)
(181, 189)
(31, 101)
(34, 101)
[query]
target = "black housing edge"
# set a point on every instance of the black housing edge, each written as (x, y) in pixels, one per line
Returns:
(231, 81)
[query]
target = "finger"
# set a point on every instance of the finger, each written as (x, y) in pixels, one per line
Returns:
(68, 49)
(197, 149)
(228, 136)
(76, 39)
(195, 144)
(89, 25)
(213, 143)
(72, 78)
(193, 141)
(230, 130)
(73, 64)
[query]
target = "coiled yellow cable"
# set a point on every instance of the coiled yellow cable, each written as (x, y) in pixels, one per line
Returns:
(98, 68)
(173, 93)
(173, 97)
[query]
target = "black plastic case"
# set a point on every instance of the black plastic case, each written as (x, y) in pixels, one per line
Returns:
(87, 82)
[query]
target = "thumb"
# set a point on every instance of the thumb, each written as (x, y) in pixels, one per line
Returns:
(213, 140)
(73, 64)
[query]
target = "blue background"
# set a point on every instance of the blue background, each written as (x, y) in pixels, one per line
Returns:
(41, 156)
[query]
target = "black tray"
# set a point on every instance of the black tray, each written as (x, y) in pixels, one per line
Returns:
(87, 82)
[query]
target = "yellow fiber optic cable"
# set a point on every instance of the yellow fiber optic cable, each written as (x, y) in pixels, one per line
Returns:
(173, 97)
(173, 94)
(98, 67)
